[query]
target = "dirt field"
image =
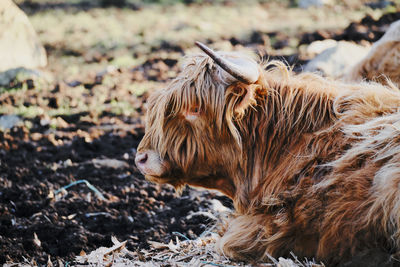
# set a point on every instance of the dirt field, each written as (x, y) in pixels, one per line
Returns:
(82, 118)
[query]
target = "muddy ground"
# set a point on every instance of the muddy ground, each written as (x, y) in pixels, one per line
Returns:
(95, 140)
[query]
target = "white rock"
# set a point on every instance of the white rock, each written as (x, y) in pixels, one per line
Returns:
(19, 44)
(338, 60)
(109, 163)
(317, 47)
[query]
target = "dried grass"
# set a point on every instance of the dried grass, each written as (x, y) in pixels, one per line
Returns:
(198, 252)
(187, 253)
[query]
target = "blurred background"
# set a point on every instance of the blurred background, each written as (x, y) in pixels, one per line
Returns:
(74, 79)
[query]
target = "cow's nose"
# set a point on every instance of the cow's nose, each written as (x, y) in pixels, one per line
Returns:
(141, 159)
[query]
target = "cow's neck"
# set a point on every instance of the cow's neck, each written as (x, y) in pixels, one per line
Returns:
(286, 112)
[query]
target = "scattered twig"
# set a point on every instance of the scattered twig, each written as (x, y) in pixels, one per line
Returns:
(181, 235)
(93, 214)
(89, 185)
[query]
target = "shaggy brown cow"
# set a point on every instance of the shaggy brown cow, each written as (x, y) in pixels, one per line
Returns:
(382, 62)
(312, 165)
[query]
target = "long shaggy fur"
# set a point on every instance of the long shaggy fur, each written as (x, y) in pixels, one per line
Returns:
(312, 165)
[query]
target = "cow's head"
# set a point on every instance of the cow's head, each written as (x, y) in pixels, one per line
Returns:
(192, 135)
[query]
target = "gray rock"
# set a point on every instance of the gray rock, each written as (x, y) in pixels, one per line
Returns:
(338, 60)
(314, 3)
(19, 44)
(18, 74)
(9, 121)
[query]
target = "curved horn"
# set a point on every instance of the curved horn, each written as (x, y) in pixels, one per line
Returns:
(247, 74)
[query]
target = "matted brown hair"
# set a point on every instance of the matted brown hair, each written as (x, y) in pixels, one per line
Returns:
(312, 165)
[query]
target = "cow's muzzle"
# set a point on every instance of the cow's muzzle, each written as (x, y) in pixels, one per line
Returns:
(149, 163)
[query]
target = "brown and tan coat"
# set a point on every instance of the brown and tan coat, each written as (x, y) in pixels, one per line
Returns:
(312, 165)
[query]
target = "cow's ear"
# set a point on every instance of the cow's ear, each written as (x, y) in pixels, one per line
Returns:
(245, 97)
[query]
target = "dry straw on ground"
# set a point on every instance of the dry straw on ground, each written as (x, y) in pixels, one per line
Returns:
(198, 252)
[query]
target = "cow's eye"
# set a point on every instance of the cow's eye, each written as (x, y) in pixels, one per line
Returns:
(192, 113)
(194, 110)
